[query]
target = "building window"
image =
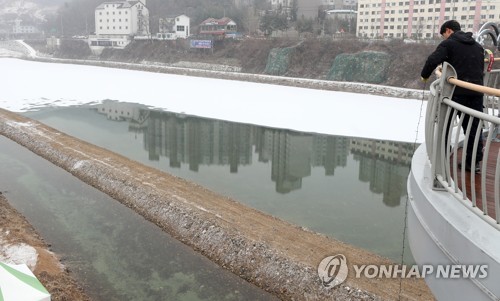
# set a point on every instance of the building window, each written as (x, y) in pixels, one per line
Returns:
(180, 28)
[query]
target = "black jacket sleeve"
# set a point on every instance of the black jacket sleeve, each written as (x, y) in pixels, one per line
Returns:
(435, 59)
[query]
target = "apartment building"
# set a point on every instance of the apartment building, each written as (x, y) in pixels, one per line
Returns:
(310, 8)
(421, 19)
(282, 6)
(340, 4)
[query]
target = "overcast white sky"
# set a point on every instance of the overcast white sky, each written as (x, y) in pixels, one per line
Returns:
(27, 85)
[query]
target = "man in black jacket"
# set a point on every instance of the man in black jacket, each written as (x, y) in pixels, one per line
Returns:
(467, 57)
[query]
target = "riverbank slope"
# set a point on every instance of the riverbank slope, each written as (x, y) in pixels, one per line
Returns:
(20, 243)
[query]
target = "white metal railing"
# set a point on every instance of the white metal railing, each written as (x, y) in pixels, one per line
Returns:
(444, 155)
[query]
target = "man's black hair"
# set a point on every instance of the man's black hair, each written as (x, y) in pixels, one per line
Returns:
(451, 24)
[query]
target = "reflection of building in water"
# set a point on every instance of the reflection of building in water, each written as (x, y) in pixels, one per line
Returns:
(197, 141)
(388, 150)
(384, 165)
(122, 111)
(293, 155)
(291, 159)
(330, 152)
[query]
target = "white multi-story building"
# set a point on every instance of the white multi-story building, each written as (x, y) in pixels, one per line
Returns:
(122, 18)
(117, 22)
(171, 28)
(20, 28)
(311, 8)
(282, 6)
(340, 4)
(421, 19)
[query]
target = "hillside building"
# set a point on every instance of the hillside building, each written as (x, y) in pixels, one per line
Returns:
(23, 28)
(218, 28)
(310, 8)
(117, 22)
(171, 28)
(420, 19)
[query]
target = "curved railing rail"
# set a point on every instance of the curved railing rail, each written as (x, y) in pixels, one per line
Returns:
(489, 30)
(445, 156)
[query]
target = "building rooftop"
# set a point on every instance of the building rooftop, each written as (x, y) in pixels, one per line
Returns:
(213, 21)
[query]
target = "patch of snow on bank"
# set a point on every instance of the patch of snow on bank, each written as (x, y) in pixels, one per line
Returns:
(79, 164)
(17, 125)
(18, 254)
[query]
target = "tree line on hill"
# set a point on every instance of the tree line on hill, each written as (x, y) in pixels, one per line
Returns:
(77, 17)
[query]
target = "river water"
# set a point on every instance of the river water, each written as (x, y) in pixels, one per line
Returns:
(352, 189)
(111, 250)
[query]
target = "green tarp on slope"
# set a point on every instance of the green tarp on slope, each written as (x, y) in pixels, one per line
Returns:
(18, 283)
(366, 67)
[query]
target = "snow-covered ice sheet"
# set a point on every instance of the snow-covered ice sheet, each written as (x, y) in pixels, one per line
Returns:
(28, 85)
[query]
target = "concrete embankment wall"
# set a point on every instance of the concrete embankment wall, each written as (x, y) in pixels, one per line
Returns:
(275, 255)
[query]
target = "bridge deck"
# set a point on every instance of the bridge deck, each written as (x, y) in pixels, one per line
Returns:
(491, 160)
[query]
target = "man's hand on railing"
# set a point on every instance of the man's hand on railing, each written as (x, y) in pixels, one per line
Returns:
(439, 71)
